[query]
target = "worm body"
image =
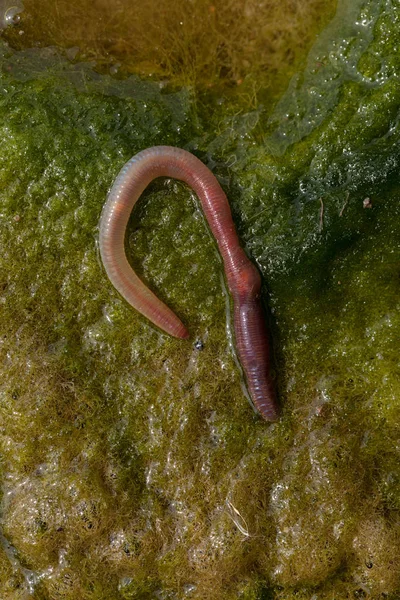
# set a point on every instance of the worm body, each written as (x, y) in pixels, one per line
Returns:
(243, 278)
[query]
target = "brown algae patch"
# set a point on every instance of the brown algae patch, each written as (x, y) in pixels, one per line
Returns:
(249, 45)
(132, 465)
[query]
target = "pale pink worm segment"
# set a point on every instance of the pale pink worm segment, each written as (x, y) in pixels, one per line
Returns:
(242, 276)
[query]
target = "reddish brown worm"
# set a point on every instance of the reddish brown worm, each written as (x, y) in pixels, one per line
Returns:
(243, 278)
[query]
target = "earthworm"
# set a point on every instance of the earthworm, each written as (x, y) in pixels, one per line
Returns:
(243, 278)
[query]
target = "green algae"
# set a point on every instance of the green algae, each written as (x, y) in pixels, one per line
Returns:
(132, 465)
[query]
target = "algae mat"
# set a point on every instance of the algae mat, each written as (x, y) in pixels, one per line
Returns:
(132, 465)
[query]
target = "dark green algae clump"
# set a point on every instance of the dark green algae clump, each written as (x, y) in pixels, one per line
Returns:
(132, 465)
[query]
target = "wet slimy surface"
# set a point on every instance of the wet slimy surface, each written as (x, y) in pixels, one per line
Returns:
(132, 468)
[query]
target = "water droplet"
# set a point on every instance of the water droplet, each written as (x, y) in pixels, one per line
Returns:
(12, 16)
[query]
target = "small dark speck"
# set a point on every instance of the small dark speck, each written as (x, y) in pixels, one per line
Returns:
(367, 203)
(369, 565)
(199, 345)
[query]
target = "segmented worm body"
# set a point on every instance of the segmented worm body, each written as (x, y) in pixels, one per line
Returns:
(242, 276)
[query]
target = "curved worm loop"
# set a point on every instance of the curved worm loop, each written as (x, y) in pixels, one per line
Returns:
(243, 278)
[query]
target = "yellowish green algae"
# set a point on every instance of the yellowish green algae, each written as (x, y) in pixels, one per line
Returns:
(132, 464)
(243, 48)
